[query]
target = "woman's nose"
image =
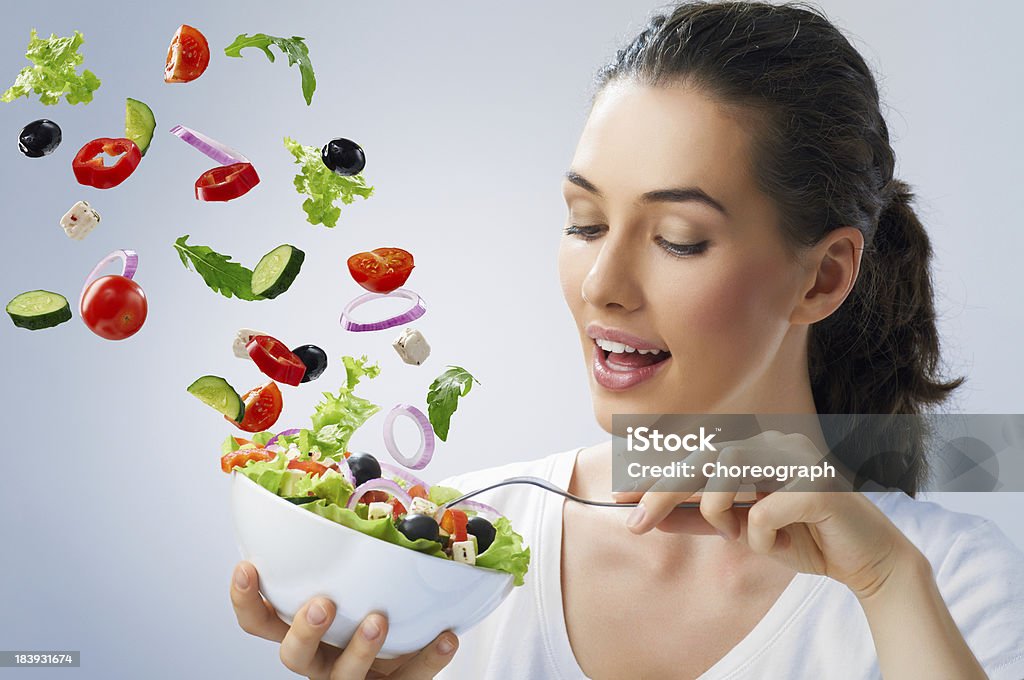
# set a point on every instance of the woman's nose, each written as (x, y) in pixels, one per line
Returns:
(612, 280)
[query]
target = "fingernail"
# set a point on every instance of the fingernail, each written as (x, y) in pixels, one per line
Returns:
(371, 631)
(241, 579)
(637, 516)
(316, 614)
(445, 646)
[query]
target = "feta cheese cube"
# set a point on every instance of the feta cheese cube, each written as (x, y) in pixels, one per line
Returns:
(242, 339)
(378, 510)
(80, 220)
(464, 551)
(423, 506)
(412, 347)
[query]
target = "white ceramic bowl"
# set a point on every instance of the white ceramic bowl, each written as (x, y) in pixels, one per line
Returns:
(300, 555)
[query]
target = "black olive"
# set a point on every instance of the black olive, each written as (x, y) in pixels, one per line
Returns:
(483, 530)
(315, 360)
(416, 526)
(343, 156)
(364, 467)
(39, 138)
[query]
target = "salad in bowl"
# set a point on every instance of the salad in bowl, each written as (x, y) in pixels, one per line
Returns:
(318, 519)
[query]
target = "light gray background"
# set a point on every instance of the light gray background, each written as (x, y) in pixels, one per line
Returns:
(113, 513)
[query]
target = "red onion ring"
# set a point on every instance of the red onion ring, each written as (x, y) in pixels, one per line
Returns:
(426, 450)
(467, 505)
(282, 433)
(404, 475)
(379, 484)
(130, 264)
(416, 311)
(224, 155)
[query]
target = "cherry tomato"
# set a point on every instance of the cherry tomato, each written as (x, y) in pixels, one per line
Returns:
(311, 466)
(187, 57)
(114, 307)
(417, 491)
(262, 408)
(239, 458)
(381, 270)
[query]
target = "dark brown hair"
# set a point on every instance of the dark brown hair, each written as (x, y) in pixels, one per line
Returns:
(822, 153)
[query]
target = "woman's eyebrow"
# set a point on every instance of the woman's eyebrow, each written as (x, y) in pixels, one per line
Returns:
(675, 195)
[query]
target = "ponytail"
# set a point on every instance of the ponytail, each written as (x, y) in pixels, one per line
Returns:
(879, 352)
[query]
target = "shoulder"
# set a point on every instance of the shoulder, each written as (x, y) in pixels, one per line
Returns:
(978, 570)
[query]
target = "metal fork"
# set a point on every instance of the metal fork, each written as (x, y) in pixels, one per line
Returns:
(548, 486)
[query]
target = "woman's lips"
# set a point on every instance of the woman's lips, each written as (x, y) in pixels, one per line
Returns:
(621, 378)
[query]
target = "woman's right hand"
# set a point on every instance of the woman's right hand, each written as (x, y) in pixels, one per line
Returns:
(304, 653)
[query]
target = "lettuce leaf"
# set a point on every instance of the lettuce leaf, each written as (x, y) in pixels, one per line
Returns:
(383, 528)
(267, 473)
(506, 553)
(442, 494)
(323, 186)
(53, 72)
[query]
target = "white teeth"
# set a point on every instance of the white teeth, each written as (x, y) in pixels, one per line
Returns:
(619, 347)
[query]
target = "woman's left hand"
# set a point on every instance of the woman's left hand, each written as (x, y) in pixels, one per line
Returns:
(839, 534)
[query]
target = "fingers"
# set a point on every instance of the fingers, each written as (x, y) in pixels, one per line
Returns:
(355, 662)
(300, 649)
(716, 503)
(779, 510)
(254, 614)
(430, 660)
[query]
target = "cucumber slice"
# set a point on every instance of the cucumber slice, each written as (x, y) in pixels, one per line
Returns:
(39, 309)
(216, 392)
(276, 270)
(139, 123)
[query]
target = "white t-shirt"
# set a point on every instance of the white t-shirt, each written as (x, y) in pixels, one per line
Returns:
(816, 629)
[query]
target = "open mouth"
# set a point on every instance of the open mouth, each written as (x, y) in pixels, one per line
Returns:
(624, 358)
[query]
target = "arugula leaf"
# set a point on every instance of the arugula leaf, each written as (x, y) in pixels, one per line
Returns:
(226, 277)
(294, 48)
(53, 73)
(443, 398)
(323, 186)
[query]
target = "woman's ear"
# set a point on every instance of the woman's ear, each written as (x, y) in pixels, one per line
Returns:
(832, 267)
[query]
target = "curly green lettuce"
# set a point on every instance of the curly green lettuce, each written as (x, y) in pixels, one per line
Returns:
(323, 186)
(53, 72)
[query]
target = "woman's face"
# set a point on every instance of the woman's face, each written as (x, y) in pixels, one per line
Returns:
(670, 245)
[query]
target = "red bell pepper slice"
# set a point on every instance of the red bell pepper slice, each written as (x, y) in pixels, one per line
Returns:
(88, 162)
(275, 360)
(226, 182)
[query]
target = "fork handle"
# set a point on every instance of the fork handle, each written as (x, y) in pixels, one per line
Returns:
(548, 486)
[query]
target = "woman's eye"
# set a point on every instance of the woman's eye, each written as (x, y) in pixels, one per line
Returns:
(586, 232)
(682, 249)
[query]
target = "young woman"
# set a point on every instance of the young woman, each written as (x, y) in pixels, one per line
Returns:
(732, 204)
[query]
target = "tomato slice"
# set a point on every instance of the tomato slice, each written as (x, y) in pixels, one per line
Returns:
(262, 408)
(311, 466)
(396, 508)
(275, 359)
(229, 461)
(188, 55)
(374, 497)
(381, 270)
(417, 491)
(226, 182)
